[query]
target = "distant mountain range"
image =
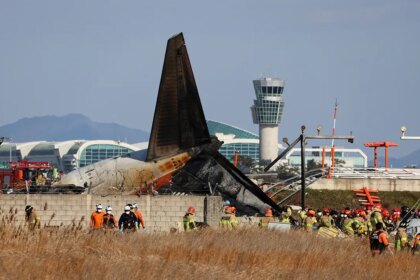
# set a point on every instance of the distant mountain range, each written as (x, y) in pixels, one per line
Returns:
(69, 127)
(410, 160)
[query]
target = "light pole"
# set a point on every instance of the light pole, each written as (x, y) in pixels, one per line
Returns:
(404, 137)
(302, 139)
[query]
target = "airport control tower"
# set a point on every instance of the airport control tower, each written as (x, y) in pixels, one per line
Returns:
(267, 112)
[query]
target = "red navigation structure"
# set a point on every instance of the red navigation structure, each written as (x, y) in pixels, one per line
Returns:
(371, 200)
(375, 145)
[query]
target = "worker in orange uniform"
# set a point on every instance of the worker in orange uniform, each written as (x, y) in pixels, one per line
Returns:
(139, 216)
(188, 220)
(109, 221)
(97, 218)
(264, 221)
(378, 240)
(415, 250)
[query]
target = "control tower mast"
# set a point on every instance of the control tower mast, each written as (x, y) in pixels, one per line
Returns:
(267, 112)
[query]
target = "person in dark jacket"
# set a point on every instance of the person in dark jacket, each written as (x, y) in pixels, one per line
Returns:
(127, 221)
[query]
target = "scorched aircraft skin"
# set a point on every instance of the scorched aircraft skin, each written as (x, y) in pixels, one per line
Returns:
(179, 134)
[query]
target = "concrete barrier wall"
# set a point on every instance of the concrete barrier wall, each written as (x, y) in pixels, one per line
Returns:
(373, 183)
(160, 212)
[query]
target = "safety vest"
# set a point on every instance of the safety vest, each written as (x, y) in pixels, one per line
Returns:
(375, 244)
(264, 221)
(376, 218)
(347, 225)
(326, 221)
(229, 222)
(308, 223)
(400, 240)
(284, 219)
(109, 221)
(189, 223)
(302, 215)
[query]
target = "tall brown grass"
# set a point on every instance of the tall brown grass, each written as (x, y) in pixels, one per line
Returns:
(74, 253)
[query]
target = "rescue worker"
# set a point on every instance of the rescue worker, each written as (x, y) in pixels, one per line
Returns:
(318, 217)
(335, 217)
(127, 221)
(284, 218)
(378, 240)
(229, 221)
(97, 218)
(267, 218)
(109, 220)
(310, 221)
(139, 216)
(326, 219)
(376, 217)
(405, 212)
(368, 219)
(31, 218)
(401, 240)
(386, 219)
(286, 215)
(396, 215)
(348, 226)
(364, 223)
(188, 220)
(303, 215)
(415, 250)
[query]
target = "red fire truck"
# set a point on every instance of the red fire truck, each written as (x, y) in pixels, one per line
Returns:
(22, 174)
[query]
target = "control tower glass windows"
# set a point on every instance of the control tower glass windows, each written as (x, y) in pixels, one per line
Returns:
(268, 106)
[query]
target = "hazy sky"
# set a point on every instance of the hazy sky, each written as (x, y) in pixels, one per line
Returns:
(104, 59)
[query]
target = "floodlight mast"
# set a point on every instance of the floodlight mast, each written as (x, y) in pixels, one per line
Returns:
(404, 137)
(302, 139)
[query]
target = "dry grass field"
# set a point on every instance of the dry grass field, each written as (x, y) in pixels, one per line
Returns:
(73, 253)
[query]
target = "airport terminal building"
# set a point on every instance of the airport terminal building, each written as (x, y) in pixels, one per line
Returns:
(67, 155)
(70, 155)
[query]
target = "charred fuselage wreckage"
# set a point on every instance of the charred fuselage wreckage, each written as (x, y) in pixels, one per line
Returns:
(180, 148)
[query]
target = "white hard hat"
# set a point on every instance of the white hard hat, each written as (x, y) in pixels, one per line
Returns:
(127, 208)
(109, 208)
(99, 206)
(135, 205)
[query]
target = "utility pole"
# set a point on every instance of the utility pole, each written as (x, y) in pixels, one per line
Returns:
(302, 139)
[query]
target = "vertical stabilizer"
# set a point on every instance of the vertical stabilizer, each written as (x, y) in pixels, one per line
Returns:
(179, 121)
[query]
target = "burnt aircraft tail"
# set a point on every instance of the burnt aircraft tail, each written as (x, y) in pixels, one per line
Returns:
(179, 122)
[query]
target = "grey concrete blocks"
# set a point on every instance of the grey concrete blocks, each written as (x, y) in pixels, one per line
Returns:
(160, 212)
